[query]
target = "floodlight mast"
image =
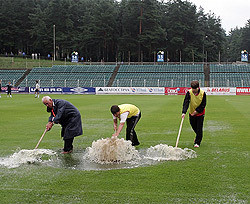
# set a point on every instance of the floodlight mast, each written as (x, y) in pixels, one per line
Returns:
(54, 39)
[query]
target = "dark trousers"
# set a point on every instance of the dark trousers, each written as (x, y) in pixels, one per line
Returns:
(197, 125)
(130, 131)
(68, 144)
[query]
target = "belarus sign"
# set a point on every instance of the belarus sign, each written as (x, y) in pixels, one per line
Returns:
(208, 90)
(220, 90)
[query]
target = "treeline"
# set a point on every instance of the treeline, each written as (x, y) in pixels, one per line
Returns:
(126, 30)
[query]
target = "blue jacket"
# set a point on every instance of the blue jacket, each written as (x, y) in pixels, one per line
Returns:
(68, 116)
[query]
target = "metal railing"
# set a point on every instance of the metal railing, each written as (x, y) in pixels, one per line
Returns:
(128, 83)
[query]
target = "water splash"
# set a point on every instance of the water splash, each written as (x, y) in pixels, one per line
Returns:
(163, 152)
(111, 150)
(104, 154)
(110, 153)
(25, 156)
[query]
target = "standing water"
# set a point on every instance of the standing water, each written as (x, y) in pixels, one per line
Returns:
(25, 156)
(104, 154)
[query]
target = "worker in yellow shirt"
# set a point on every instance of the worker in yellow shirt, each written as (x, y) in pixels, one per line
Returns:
(131, 115)
(195, 99)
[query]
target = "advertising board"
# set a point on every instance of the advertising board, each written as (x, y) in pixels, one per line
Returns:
(242, 90)
(176, 90)
(219, 90)
(17, 89)
(64, 90)
(131, 90)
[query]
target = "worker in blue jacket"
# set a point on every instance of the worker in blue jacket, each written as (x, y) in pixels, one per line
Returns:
(66, 114)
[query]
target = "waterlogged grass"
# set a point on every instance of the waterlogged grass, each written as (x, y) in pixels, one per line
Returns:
(220, 173)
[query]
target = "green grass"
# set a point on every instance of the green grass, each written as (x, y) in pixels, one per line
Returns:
(27, 63)
(220, 173)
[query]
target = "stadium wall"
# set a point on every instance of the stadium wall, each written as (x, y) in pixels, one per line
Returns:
(130, 90)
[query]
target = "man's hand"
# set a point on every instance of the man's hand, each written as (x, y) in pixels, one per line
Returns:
(115, 134)
(183, 115)
(115, 128)
(49, 126)
(194, 113)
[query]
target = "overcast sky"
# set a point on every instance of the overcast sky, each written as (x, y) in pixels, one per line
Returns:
(233, 13)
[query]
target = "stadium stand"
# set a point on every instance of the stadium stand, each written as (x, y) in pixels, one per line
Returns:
(229, 75)
(168, 75)
(70, 75)
(229, 68)
(162, 68)
(229, 79)
(10, 76)
(158, 75)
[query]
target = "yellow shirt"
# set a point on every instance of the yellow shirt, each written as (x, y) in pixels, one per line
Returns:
(132, 109)
(195, 100)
